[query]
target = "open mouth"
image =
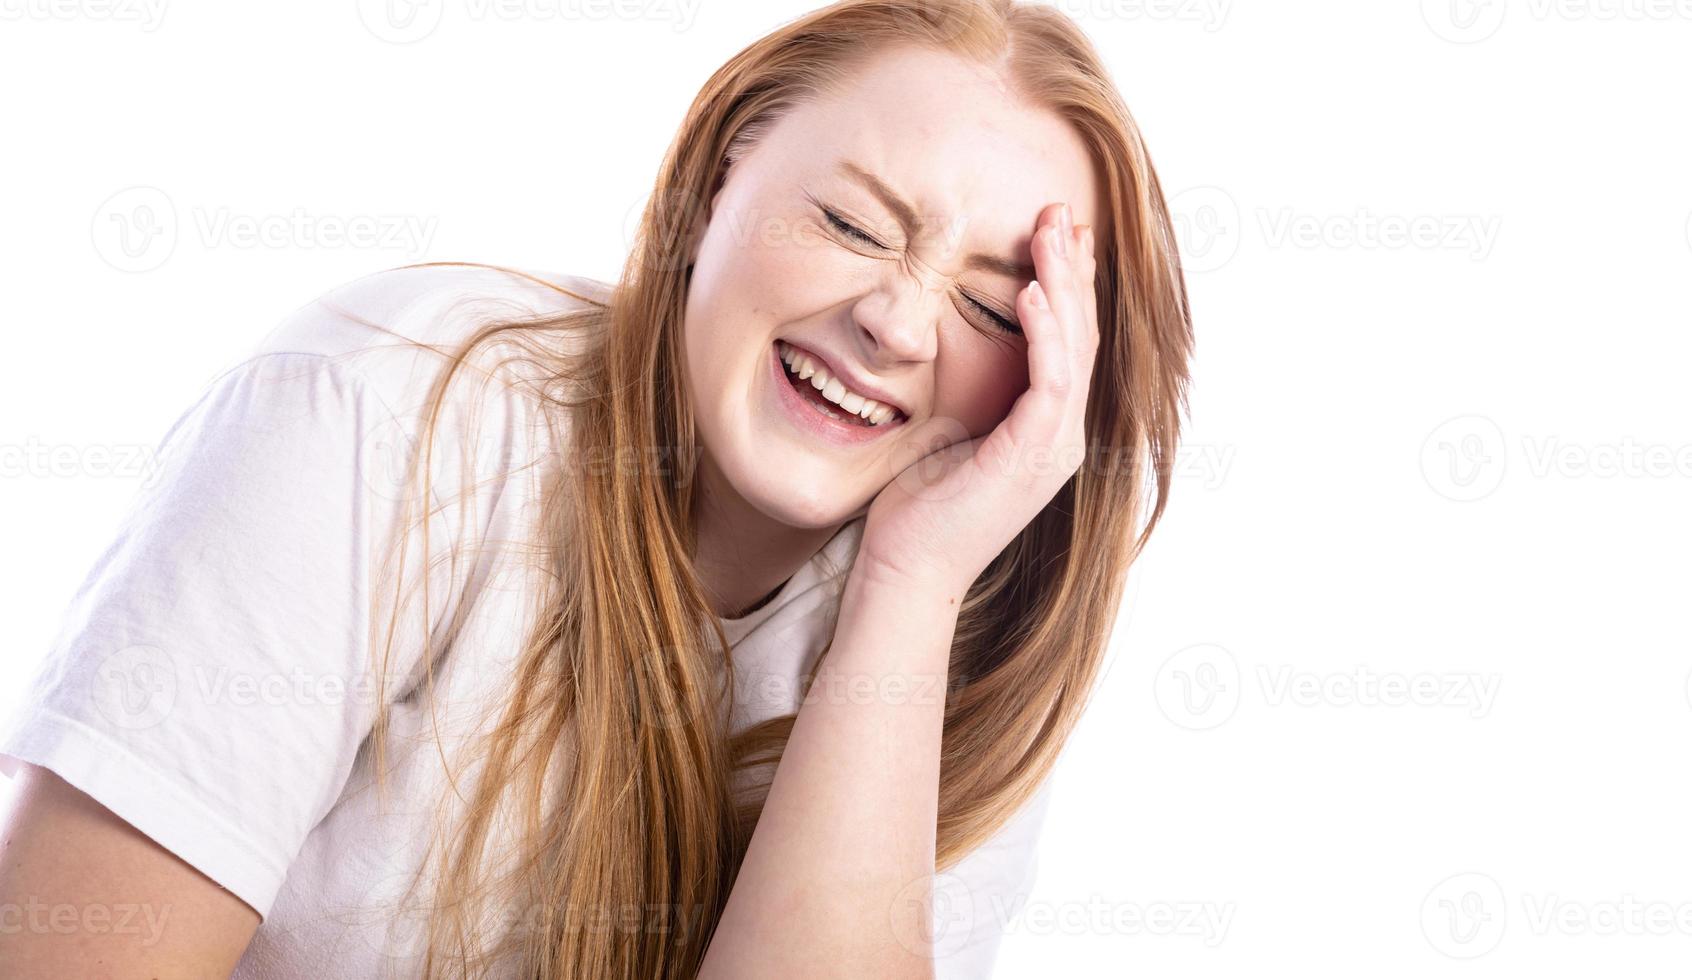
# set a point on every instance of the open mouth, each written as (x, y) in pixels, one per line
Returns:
(888, 417)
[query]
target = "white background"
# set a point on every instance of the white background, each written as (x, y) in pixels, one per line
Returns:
(1439, 261)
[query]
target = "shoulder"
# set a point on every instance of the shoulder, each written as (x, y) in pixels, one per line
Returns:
(427, 303)
(392, 332)
(436, 304)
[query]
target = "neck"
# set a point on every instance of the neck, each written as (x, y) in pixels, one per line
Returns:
(743, 557)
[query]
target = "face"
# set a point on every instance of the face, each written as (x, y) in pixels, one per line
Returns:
(808, 245)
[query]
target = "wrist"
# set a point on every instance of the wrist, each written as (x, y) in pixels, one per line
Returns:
(892, 624)
(869, 577)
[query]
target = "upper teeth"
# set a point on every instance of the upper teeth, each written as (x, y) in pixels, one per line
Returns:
(806, 366)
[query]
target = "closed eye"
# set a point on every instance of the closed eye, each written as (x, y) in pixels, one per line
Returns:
(850, 231)
(1009, 326)
(842, 226)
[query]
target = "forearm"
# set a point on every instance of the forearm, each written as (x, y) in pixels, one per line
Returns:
(832, 883)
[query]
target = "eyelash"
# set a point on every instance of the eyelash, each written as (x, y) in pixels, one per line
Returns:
(845, 228)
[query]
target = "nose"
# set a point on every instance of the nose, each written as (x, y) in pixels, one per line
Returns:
(901, 318)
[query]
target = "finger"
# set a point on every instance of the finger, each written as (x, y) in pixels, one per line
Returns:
(1056, 276)
(1049, 362)
(1089, 282)
(1058, 273)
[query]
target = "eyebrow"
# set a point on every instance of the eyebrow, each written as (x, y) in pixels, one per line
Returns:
(908, 218)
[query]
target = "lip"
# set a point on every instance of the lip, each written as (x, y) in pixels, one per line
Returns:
(816, 423)
(852, 381)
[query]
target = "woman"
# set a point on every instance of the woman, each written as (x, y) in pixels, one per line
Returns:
(844, 474)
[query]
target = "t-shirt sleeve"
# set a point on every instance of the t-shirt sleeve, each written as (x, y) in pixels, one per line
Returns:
(211, 681)
(978, 898)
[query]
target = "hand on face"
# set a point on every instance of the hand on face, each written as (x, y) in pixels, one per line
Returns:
(944, 518)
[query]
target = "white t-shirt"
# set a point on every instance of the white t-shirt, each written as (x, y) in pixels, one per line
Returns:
(208, 682)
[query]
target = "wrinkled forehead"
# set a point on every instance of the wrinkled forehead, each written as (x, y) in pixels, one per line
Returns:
(975, 163)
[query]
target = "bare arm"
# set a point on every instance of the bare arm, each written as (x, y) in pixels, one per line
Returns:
(833, 881)
(84, 894)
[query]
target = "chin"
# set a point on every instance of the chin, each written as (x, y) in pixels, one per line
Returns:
(795, 502)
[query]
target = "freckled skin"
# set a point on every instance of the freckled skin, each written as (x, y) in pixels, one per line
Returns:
(978, 166)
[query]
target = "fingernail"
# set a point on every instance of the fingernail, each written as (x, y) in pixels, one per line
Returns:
(1065, 220)
(1037, 294)
(1062, 242)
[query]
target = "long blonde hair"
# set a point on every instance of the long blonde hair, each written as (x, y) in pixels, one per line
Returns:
(618, 806)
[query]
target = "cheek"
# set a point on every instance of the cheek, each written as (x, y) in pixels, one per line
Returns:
(976, 380)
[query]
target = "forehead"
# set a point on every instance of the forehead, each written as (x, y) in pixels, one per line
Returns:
(949, 138)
